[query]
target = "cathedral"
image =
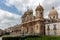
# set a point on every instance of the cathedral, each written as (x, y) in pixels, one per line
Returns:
(35, 25)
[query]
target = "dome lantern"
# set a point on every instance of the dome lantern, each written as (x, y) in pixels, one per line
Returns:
(53, 14)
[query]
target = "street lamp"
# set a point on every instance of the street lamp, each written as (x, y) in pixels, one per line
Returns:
(22, 35)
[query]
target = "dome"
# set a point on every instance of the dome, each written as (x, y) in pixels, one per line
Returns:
(52, 12)
(39, 7)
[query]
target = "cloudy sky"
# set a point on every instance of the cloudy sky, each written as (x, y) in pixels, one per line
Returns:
(12, 10)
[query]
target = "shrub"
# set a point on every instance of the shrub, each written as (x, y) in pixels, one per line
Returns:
(30, 37)
(10, 38)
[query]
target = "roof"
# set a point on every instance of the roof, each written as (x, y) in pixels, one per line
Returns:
(39, 7)
(53, 12)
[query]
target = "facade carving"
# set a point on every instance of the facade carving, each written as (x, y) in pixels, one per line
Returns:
(35, 24)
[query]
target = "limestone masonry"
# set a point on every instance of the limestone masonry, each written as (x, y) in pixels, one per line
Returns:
(37, 25)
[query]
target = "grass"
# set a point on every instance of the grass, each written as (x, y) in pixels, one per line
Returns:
(44, 38)
(35, 38)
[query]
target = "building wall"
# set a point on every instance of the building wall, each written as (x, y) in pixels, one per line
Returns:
(52, 31)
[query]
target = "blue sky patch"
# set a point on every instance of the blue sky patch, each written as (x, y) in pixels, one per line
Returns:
(11, 8)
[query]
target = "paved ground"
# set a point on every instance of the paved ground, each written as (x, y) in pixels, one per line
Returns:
(0, 38)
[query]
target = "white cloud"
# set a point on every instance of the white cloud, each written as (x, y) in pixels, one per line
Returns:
(10, 2)
(51, 1)
(21, 5)
(8, 19)
(58, 10)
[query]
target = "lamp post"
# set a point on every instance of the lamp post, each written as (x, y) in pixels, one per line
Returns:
(22, 35)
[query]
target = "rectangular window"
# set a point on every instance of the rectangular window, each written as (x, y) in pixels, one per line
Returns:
(55, 33)
(48, 28)
(48, 33)
(54, 27)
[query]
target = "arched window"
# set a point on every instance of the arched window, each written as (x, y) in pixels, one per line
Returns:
(53, 16)
(48, 28)
(31, 30)
(37, 27)
(41, 13)
(27, 30)
(50, 17)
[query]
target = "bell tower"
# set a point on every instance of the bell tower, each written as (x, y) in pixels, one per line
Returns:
(39, 11)
(40, 20)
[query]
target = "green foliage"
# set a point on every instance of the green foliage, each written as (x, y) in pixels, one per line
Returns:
(11, 38)
(33, 38)
(44, 38)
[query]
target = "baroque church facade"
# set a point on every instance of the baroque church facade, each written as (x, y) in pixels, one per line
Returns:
(35, 24)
